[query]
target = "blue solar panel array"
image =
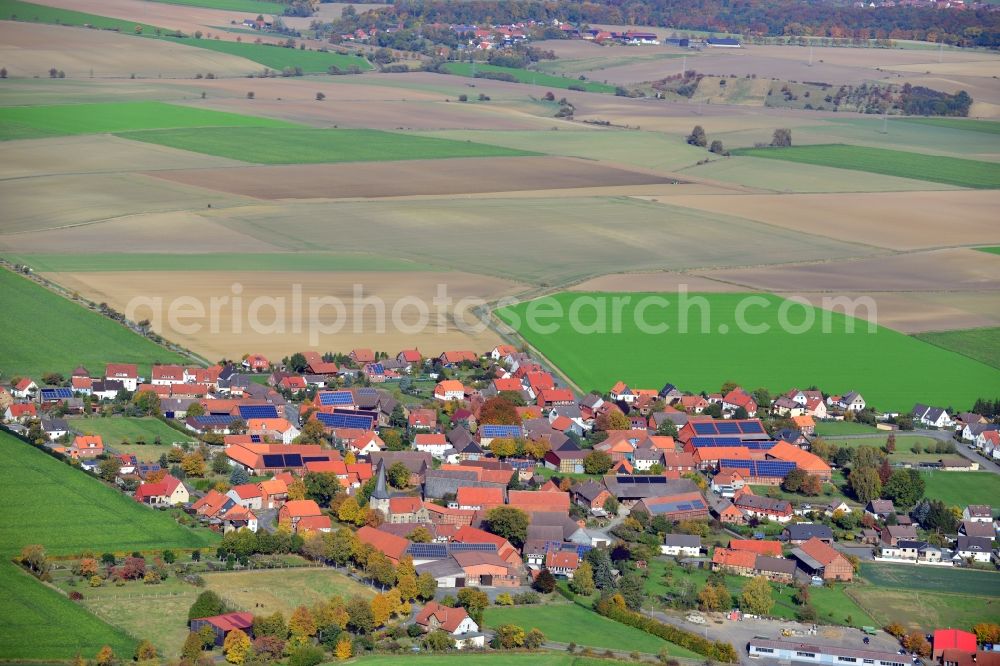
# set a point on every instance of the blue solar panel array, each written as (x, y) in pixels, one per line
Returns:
(49, 394)
(709, 442)
(213, 420)
(478, 547)
(771, 468)
(345, 420)
(671, 507)
(256, 439)
(376, 369)
(428, 551)
(492, 431)
(735, 427)
(328, 398)
(641, 480)
(258, 412)
(278, 460)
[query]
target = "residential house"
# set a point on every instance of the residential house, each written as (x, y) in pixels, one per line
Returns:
(455, 621)
(54, 428)
(470, 498)
(851, 401)
(168, 491)
(126, 373)
(293, 512)
(799, 533)
(978, 513)
(738, 398)
(677, 507)
(24, 389)
(764, 507)
(977, 549)
(591, 495)
(449, 389)
(953, 639)
(757, 546)
(21, 412)
(435, 444)
(247, 495)
(880, 509)
(681, 545)
(776, 569)
(728, 482)
(892, 534)
(911, 550)
(620, 392)
(806, 424)
(562, 562)
(738, 562)
(87, 446)
(818, 558)
(932, 417)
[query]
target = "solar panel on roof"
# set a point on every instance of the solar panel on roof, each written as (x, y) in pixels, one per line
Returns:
(258, 412)
(491, 431)
(698, 504)
(273, 460)
(684, 507)
(255, 439)
(336, 398)
(377, 368)
(751, 427)
(293, 460)
(343, 420)
(428, 550)
(704, 428)
(309, 459)
(214, 419)
(759, 445)
(728, 428)
(477, 547)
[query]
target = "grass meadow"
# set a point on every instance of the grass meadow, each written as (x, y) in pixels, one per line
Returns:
(963, 488)
(933, 168)
(528, 76)
(572, 623)
(310, 146)
(67, 511)
(967, 124)
(990, 250)
(115, 429)
(45, 332)
(833, 428)
(279, 57)
(487, 659)
(288, 261)
(32, 13)
(250, 6)
(33, 122)
(932, 579)
(886, 366)
(981, 344)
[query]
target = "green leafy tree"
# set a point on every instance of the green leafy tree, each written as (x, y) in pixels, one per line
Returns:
(697, 137)
(238, 476)
(508, 636)
(865, 483)
(597, 462)
(510, 523)
(905, 488)
(398, 475)
(322, 487)
(474, 601)
(667, 428)
(757, 597)
(583, 579)
(192, 648)
(545, 582)
(147, 402)
(207, 604)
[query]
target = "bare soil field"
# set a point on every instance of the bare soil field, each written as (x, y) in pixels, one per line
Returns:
(893, 220)
(95, 154)
(272, 329)
(936, 270)
(171, 17)
(544, 241)
(61, 201)
(415, 177)
(31, 49)
(181, 231)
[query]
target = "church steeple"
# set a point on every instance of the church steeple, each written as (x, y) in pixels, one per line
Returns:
(380, 497)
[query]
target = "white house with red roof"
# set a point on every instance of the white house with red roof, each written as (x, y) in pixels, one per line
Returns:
(25, 388)
(562, 562)
(739, 398)
(449, 389)
(455, 621)
(126, 373)
(167, 375)
(621, 392)
(434, 443)
(256, 363)
(168, 491)
(20, 412)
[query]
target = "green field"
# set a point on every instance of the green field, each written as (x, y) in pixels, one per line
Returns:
(990, 250)
(32, 122)
(985, 126)
(44, 332)
(289, 261)
(115, 430)
(832, 605)
(528, 76)
(571, 623)
(932, 579)
(713, 350)
(48, 502)
(302, 146)
(250, 6)
(963, 488)
(488, 659)
(933, 168)
(278, 57)
(825, 428)
(981, 344)
(936, 597)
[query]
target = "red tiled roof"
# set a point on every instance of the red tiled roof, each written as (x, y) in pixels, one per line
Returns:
(313, 523)
(534, 501)
(231, 621)
(121, 370)
(562, 559)
(754, 546)
(820, 551)
(405, 504)
(447, 618)
(474, 496)
(957, 639)
(734, 558)
(391, 545)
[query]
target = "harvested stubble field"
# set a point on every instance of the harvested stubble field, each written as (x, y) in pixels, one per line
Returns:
(923, 311)
(716, 349)
(32, 122)
(300, 146)
(410, 178)
(83, 199)
(933, 168)
(92, 154)
(280, 333)
(982, 344)
(160, 232)
(870, 218)
(72, 335)
(286, 261)
(28, 50)
(934, 270)
(455, 232)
